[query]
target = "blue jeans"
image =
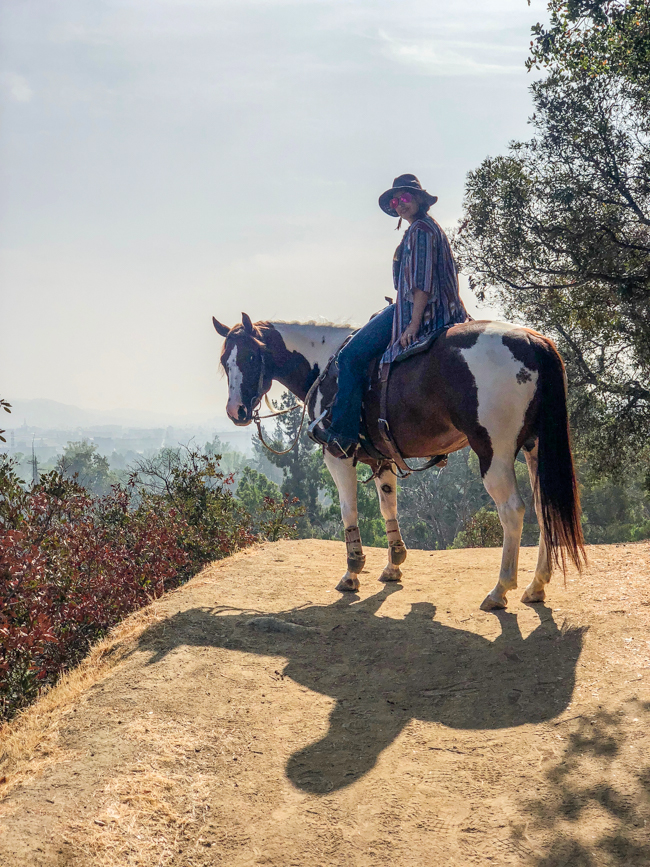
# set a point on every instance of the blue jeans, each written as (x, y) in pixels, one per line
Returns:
(368, 343)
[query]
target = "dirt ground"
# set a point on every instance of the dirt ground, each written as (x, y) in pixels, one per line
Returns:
(258, 717)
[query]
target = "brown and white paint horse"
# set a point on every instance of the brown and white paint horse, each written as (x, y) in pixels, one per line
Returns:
(497, 387)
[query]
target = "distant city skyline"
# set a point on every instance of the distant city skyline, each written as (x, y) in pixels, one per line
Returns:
(43, 428)
(164, 162)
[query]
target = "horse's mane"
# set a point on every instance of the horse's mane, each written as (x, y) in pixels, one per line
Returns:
(322, 323)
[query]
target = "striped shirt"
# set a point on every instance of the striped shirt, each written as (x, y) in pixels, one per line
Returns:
(424, 261)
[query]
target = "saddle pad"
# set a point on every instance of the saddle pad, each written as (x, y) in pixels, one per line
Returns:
(424, 345)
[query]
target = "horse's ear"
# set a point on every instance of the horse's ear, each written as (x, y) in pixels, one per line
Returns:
(223, 330)
(246, 322)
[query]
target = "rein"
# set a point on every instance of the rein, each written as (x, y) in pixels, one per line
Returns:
(275, 412)
(257, 418)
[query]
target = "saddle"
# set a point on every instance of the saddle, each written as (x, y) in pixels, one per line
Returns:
(386, 448)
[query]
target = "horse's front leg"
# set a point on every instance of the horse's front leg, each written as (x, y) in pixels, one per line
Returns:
(345, 477)
(386, 483)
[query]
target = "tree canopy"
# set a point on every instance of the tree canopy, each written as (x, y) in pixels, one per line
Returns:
(557, 231)
(300, 465)
(82, 461)
(596, 37)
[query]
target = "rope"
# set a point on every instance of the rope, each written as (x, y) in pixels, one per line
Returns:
(275, 412)
(257, 418)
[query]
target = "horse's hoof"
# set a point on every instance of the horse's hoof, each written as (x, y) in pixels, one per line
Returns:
(490, 604)
(391, 573)
(348, 583)
(531, 596)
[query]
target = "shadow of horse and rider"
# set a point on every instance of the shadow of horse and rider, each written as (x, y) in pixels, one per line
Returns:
(383, 672)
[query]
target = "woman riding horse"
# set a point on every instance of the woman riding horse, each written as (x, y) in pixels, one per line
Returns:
(426, 282)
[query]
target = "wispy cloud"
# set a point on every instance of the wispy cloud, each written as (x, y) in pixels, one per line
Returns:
(438, 57)
(15, 87)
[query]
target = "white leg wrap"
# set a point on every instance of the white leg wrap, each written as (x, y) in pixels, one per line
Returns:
(392, 531)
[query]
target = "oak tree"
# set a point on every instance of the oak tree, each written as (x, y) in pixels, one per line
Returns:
(557, 230)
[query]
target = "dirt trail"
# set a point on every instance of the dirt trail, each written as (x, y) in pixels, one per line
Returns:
(257, 717)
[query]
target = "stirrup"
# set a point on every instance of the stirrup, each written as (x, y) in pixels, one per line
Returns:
(338, 446)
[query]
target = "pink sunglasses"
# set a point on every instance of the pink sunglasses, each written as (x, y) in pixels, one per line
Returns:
(404, 198)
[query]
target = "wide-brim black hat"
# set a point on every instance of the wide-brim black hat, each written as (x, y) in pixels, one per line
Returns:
(404, 184)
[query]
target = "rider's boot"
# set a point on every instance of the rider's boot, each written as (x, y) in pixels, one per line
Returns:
(338, 445)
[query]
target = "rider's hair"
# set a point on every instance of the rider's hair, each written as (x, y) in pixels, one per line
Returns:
(423, 210)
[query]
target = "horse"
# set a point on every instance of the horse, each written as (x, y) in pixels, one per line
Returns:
(497, 387)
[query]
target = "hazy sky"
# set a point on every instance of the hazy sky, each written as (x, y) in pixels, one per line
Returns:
(166, 160)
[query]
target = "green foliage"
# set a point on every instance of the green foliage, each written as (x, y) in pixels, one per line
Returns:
(230, 460)
(371, 523)
(13, 496)
(436, 504)
(192, 483)
(557, 231)
(279, 518)
(253, 488)
(595, 38)
(273, 514)
(615, 510)
(7, 408)
(642, 531)
(81, 461)
(483, 530)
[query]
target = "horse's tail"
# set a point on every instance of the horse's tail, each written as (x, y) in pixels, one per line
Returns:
(556, 478)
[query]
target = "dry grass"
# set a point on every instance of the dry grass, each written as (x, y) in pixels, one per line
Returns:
(153, 809)
(29, 742)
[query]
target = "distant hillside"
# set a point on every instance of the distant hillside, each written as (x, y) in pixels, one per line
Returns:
(47, 414)
(47, 425)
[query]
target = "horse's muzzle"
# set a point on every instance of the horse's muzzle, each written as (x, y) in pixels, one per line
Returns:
(243, 418)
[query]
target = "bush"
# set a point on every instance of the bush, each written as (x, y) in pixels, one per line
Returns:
(7, 408)
(190, 482)
(637, 534)
(73, 565)
(483, 530)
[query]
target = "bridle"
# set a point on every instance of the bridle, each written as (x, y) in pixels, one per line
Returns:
(257, 418)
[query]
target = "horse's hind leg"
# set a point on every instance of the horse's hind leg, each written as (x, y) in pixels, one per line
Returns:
(386, 483)
(535, 591)
(345, 476)
(501, 484)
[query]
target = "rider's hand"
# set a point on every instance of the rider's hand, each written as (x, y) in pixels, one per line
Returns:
(409, 335)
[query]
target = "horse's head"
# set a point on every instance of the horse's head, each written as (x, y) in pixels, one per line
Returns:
(247, 363)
